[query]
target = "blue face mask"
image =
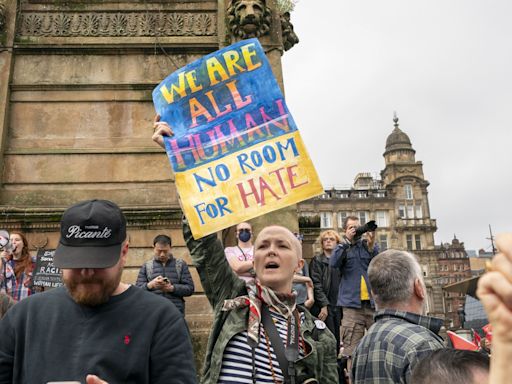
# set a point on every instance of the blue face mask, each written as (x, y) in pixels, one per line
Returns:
(244, 235)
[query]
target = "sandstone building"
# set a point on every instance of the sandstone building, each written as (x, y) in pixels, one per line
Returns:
(454, 267)
(397, 201)
(76, 111)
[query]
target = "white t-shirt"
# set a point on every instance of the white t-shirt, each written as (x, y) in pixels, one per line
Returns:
(240, 254)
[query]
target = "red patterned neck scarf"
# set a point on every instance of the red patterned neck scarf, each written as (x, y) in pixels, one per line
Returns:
(257, 294)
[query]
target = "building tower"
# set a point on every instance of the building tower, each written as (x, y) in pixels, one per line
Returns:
(398, 202)
(413, 228)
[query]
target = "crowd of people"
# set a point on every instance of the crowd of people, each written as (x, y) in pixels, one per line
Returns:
(355, 315)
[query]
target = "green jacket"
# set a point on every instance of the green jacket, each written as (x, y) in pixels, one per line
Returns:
(220, 283)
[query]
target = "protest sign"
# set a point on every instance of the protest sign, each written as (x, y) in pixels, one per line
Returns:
(45, 273)
(236, 151)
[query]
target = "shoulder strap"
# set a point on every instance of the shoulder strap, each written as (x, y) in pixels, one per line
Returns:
(243, 253)
(276, 341)
(179, 268)
(149, 270)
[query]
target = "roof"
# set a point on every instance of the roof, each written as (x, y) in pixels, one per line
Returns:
(398, 139)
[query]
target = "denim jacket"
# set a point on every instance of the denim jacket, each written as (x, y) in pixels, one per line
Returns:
(353, 261)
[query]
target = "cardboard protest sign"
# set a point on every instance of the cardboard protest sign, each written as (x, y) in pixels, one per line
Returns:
(45, 273)
(236, 151)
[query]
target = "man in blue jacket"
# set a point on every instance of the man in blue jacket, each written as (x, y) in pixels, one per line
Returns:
(352, 256)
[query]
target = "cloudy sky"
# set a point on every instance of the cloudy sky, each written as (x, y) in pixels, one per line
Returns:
(445, 66)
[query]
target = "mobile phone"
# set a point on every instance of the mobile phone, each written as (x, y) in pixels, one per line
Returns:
(63, 382)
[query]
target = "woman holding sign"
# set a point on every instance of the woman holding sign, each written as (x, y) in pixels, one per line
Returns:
(16, 266)
(259, 334)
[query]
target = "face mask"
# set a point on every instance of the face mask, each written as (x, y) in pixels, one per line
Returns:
(244, 235)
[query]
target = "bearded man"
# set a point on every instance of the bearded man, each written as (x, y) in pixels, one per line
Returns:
(95, 329)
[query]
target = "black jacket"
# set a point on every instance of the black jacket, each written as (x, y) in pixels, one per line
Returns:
(321, 274)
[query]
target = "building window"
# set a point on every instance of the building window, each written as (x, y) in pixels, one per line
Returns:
(341, 218)
(326, 219)
(361, 195)
(408, 191)
(409, 242)
(418, 241)
(410, 212)
(363, 217)
(383, 242)
(382, 218)
(379, 194)
(401, 211)
(419, 211)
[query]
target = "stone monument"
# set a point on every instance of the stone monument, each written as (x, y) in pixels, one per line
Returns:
(76, 110)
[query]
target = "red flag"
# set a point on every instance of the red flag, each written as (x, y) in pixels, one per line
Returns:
(459, 342)
(476, 338)
(488, 332)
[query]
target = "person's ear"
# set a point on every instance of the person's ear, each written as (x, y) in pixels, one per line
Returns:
(300, 265)
(419, 290)
(124, 251)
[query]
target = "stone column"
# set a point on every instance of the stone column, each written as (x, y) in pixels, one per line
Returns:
(7, 32)
(275, 32)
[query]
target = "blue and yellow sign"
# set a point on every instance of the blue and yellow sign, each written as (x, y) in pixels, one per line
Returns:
(236, 151)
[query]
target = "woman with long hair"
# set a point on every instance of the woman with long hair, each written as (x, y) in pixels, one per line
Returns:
(16, 268)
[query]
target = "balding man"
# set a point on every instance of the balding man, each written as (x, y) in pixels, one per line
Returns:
(452, 366)
(402, 334)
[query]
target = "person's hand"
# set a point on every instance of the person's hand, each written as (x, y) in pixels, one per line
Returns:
(309, 303)
(350, 233)
(495, 290)
(323, 313)
(157, 283)
(5, 256)
(370, 237)
(93, 379)
(160, 129)
(168, 287)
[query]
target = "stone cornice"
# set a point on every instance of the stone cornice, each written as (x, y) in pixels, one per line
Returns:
(48, 219)
(116, 24)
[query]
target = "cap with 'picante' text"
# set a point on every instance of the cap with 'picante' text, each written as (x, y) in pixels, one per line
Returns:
(91, 235)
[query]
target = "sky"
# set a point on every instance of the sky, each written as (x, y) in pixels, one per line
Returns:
(444, 66)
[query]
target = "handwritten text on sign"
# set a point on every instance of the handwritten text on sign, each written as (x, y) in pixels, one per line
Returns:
(236, 151)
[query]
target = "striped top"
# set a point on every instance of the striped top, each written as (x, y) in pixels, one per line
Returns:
(237, 358)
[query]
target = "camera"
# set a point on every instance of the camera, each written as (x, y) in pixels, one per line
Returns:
(166, 280)
(368, 227)
(5, 242)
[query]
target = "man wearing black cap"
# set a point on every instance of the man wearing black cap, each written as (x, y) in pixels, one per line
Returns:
(96, 329)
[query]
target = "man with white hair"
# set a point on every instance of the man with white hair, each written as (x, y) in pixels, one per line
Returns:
(402, 334)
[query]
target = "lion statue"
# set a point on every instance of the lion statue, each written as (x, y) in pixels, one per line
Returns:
(248, 18)
(290, 38)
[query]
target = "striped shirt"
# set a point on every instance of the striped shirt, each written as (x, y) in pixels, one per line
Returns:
(237, 358)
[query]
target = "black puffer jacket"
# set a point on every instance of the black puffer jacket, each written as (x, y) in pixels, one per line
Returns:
(184, 286)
